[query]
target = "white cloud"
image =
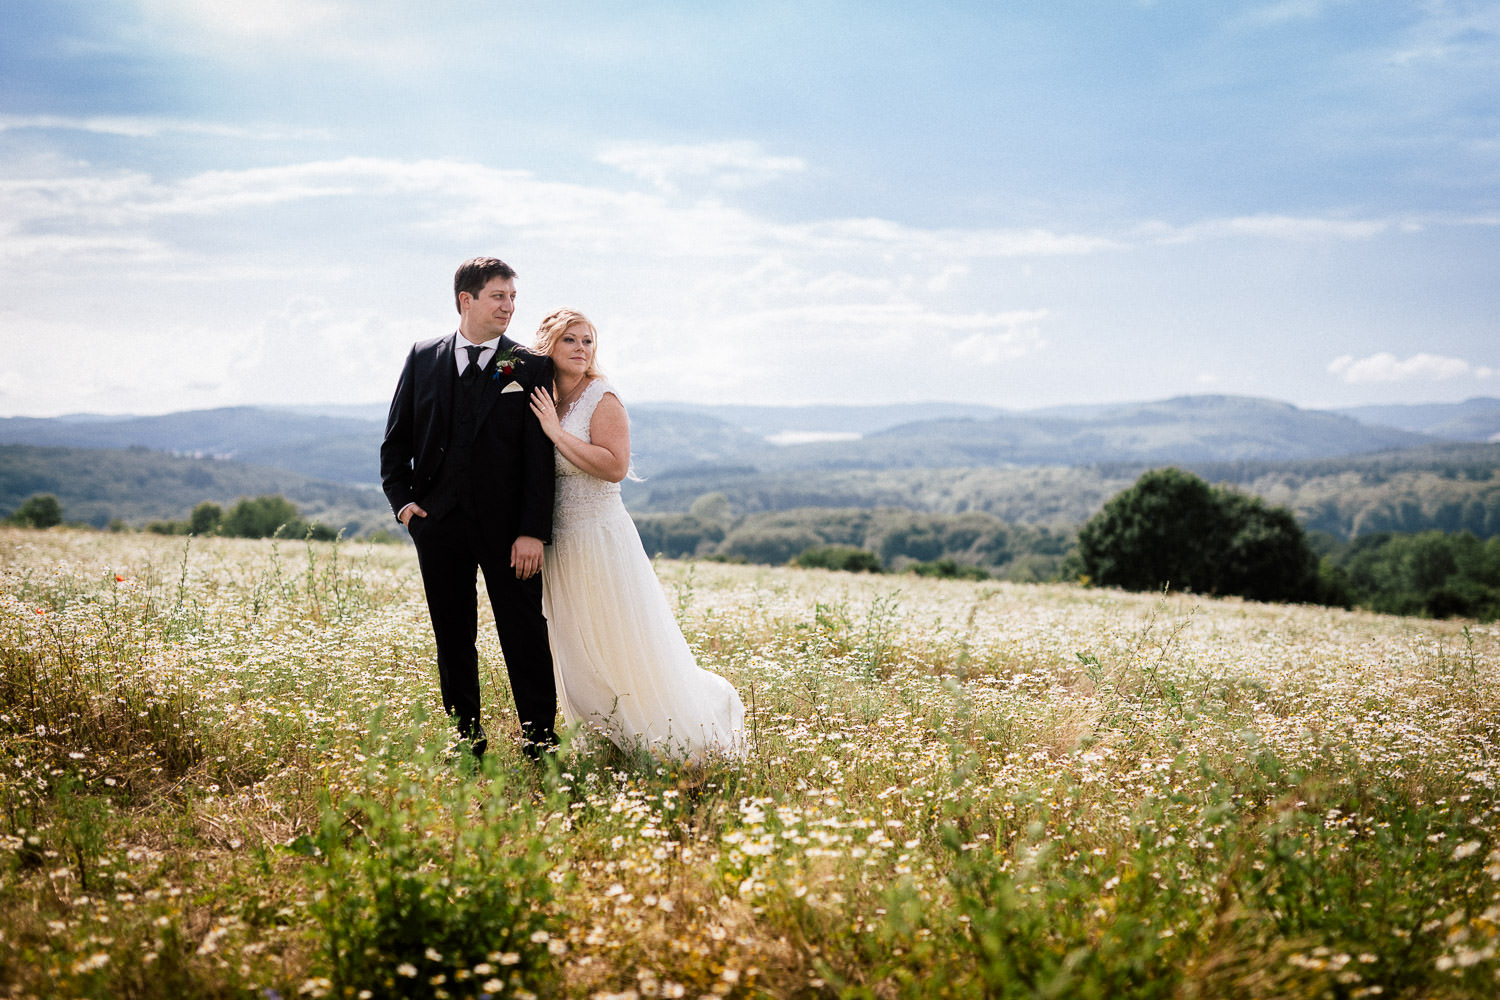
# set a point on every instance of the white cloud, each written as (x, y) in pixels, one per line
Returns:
(1007, 341)
(725, 166)
(379, 35)
(277, 261)
(943, 281)
(52, 247)
(697, 298)
(280, 20)
(1285, 11)
(143, 127)
(336, 350)
(1386, 367)
(857, 235)
(1455, 35)
(811, 437)
(1300, 229)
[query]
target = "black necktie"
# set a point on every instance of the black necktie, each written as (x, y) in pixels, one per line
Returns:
(472, 372)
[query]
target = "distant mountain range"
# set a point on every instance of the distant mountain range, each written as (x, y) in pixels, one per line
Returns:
(1472, 420)
(138, 485)
(341, 444)
(1049, 467)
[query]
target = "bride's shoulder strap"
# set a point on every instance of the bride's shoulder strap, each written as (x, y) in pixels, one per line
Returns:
(602, 387)
(588, 400)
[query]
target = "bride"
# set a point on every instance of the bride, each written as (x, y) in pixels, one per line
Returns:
(621, 663)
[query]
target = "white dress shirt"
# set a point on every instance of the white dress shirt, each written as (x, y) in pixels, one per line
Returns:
(461, 354)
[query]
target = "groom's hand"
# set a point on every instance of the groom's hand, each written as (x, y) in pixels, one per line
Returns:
(410, 511)
(526, 557)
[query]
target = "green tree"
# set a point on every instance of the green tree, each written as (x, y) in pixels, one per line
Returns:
(262, 516)
(767, 546)
(1156, 533)
(1432, 573)
(1173, 529)
(712, 508)
(42, 510)
(675, 535)
(265, 516)
(949, 569)
(206, 518)
(840, 557)
(1266, 553)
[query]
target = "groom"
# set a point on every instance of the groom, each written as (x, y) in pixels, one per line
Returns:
(468, 470)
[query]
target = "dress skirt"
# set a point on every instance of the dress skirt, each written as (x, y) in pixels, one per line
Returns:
(622, 665)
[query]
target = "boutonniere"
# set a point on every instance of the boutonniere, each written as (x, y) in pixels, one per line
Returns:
(505, 364)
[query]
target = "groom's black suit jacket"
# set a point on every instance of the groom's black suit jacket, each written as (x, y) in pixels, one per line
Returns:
(475, 458)
(510, 473)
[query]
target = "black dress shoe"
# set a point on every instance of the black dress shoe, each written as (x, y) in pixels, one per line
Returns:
(474, 743)
(540, 753)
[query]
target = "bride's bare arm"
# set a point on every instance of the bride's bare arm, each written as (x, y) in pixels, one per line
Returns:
(607, 456)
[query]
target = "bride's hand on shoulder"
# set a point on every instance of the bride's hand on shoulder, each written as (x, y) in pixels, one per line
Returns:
(546, 413)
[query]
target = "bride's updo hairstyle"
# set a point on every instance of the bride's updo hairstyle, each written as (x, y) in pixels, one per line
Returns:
(555, 325)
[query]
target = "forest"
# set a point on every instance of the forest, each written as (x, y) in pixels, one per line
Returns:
(1408, 531)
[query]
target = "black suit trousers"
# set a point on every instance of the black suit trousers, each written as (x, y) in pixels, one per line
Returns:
(451, 551)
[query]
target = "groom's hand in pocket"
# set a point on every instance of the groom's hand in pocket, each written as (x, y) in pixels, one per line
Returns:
(526, 557)
(410, 511)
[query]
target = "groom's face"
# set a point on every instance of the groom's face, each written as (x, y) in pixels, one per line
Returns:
(487, 314)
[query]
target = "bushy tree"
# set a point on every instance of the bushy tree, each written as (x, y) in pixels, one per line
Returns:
(840, 557)
(676, 536)
(264, 516)
(261, 516)
(1173, 529)
(40, 511)
(205, 518)
(949, 569)
(768, 546)
(1266, 554)
(712, 508)
(1431, 573)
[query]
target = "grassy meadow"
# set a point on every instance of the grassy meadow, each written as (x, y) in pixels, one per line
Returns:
(223, 774)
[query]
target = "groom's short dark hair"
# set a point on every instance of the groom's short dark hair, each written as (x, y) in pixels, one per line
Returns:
(472, 275)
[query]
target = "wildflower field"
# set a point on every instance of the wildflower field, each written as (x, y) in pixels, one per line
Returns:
(224, 775)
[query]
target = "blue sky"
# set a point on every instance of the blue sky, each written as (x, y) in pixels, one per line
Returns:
(209, 203)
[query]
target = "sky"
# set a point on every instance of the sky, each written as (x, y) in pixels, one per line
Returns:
(1020, 204)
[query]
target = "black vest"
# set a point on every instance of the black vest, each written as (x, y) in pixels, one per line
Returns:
(453, 488)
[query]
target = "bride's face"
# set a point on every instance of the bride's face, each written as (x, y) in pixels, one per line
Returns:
(573, 352)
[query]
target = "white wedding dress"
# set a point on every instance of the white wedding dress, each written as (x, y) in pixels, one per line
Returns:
(621, 663)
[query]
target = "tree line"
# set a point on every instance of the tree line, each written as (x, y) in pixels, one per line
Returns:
(252, 517)
(892, 538)
(1172, 530)
(1449, 489)
(1169, 530)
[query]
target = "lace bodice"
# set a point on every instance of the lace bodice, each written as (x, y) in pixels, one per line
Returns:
(580, 496)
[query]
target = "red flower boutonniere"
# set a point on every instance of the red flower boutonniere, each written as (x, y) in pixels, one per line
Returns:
(505, 364)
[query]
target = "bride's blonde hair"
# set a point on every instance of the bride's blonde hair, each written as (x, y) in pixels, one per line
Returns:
(555, 325)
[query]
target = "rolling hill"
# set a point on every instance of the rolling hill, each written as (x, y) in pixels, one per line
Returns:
(138, 485)
(1472, 420)
(1045, 467)
(342, 444)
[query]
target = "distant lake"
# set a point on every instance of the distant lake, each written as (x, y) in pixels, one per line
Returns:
(812, 437)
